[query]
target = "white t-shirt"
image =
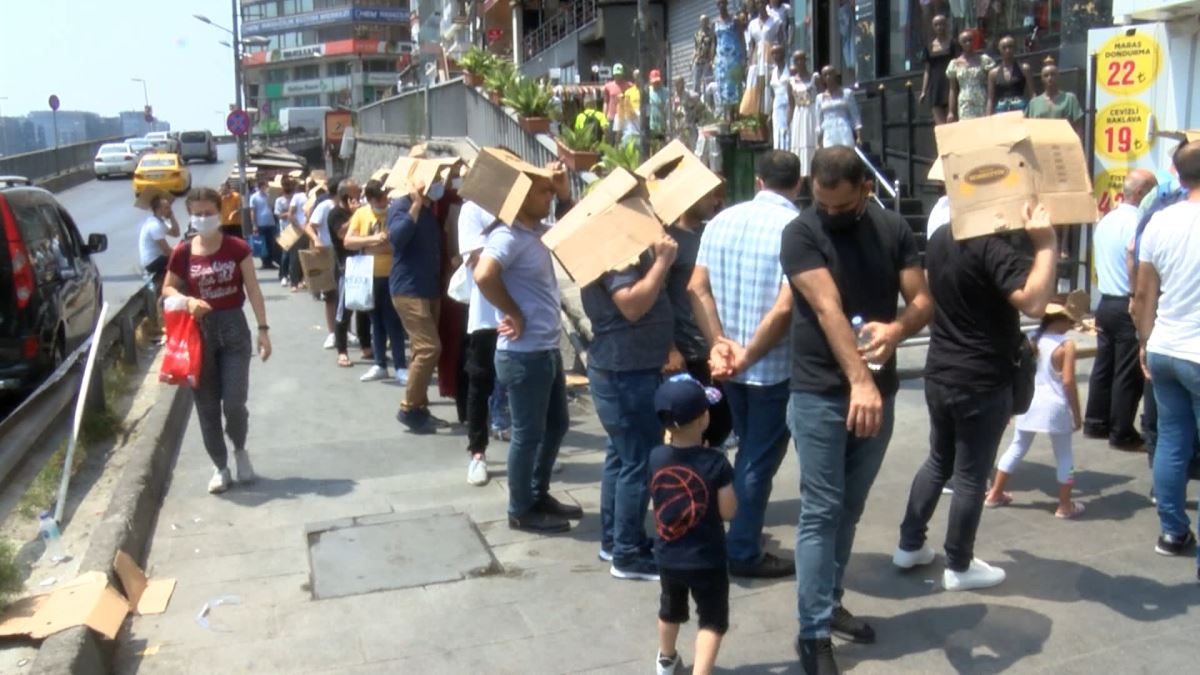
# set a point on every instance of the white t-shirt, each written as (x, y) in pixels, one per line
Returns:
(1171, 243)
(320, 221)
(472, 220)
(298, 201)
(153, 231)
(281, 207)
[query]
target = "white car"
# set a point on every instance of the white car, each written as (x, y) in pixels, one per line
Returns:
(115, 158)
(162, 141)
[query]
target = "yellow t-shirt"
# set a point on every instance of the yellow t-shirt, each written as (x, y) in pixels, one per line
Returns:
(363, 224)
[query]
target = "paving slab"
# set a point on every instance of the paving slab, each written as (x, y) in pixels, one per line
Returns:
(1085, 596)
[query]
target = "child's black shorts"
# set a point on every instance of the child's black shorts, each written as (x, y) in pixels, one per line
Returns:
(710, 588)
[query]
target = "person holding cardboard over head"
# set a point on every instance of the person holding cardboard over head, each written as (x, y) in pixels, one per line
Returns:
(848, 262)
(415, 284)
(1166, 309)
(515, 273)
(737, 299)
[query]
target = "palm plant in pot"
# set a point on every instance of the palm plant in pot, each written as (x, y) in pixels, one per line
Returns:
(578, 149)
(476, 63)
(498, 78)
(531, 101)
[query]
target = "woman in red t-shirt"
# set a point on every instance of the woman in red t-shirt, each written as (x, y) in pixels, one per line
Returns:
(215, 273)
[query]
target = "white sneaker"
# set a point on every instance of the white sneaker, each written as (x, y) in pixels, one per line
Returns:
(402, 375)
(220, 481)
(373, 374)
(330, 342)
(477, 472)
(907, 560)
(666, 665)
(245, 470)
(352, 340)
(978, 575)
(283, 282)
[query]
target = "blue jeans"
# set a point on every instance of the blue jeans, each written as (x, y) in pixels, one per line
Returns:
(837, 470)
(498, 409)
(625, 405)
(270, 234)
(386, 327)
(760, 422)
(537, 396)
(1177, 393)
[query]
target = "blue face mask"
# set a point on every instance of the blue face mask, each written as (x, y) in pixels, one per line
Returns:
(436, 191)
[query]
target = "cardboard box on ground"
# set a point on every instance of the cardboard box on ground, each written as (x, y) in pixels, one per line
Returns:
(88, 600)
(619, 218)
(994, 166)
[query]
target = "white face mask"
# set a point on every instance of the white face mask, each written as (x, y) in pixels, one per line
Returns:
(436, 191)
(206, 224)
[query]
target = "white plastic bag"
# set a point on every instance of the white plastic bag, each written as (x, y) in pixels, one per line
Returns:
(459, 289)
(360, 283)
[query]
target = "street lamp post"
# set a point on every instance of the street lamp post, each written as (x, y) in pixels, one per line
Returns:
(145, 91)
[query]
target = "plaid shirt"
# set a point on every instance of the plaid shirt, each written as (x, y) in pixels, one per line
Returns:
(740, 248)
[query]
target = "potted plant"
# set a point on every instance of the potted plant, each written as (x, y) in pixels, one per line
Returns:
(578, 149)
(627, 155)
(476, 63)
(531, 101)
(749, 129)
(498, 79)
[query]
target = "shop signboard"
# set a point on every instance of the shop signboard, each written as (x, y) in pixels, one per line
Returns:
(329, 16)
(317, 86)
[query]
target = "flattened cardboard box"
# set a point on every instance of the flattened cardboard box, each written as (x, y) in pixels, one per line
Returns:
(994, 166)
(88, 600)
(676, 179)
(407, 170)
(499, 181)
(608, 228)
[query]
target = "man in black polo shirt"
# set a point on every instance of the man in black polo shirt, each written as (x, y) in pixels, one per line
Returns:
(978, 286)
(845, 257)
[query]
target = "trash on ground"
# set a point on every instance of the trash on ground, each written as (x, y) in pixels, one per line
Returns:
(202, 617)
(146, 596)
(88, 600)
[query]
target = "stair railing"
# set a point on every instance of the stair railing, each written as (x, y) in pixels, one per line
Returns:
(892, 188)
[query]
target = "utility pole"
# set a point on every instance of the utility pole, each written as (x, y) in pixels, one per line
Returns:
(241, 140)
(643, 44)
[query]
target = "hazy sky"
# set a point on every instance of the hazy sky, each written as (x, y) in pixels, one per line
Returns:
(86, 51)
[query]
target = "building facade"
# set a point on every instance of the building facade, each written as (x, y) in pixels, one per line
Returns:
(336, 53)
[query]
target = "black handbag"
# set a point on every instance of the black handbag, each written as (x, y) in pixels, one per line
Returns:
(1023, 378)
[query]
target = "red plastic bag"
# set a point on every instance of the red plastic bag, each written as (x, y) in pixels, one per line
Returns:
(181, 356)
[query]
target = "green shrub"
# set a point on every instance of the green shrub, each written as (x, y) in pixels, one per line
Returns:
(528, 97)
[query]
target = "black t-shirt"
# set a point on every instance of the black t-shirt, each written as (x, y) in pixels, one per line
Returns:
(684, 484)
(688, 338)
(334, 221)
(975, 331)
(865, 262)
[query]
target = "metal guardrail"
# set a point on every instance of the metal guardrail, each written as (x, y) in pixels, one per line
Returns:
(44, 413)
(454, 110)
(41, 164)
(569, 19)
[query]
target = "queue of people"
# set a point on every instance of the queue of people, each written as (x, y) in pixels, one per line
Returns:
(775, 323)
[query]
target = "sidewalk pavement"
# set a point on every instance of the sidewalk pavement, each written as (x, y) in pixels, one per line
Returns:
(1082, 597)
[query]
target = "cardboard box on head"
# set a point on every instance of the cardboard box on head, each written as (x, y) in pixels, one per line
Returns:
(499, 181)
(994, 166)
(381, 174)
(676, 179)
(408, 170)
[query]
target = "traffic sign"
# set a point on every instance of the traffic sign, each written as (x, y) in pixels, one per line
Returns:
(238, 123)
(149, 114)
(265, 107)
(54, 102)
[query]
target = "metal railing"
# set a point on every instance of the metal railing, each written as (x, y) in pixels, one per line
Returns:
(893, 190)
(41, 164)
(43, 416)
(569, 19)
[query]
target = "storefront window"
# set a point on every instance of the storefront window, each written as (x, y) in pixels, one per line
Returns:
(1036, 25)
(307, 72)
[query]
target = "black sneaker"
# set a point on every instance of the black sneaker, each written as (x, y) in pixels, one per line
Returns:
(418, 421)
(1134, 443)
(640, 568)
(816, 657)
(849, 627)
(1170, 544)
(769, 566)
(539, 523)
(552, 506)
(437, 422)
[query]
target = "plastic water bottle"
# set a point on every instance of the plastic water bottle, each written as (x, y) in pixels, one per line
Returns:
(51, 536)
(864, 338)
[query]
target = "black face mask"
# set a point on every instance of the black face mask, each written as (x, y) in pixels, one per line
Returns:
(840, 222)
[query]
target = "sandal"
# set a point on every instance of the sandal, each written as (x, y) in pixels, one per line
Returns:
(368, 355)
(1004, 500)
(343, 361)
(1076, 511)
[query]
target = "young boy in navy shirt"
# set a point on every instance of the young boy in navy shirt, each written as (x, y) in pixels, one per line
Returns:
(692, 489)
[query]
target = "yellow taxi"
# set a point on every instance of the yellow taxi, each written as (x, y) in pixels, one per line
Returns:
(162, 170)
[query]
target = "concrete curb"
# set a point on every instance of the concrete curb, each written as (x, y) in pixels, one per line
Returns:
(66, 180)
(126, 525)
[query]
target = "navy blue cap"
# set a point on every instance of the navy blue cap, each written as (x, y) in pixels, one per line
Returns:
(682, 399)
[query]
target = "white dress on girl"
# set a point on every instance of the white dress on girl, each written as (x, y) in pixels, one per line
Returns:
(803, 129)
(764, 31)
(780, 124)
(1048, 413)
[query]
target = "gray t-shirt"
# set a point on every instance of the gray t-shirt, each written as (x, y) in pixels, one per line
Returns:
(528, 274)
(618, 344)
(688, 338)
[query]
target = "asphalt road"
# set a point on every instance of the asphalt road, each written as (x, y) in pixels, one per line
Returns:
(106, 207)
